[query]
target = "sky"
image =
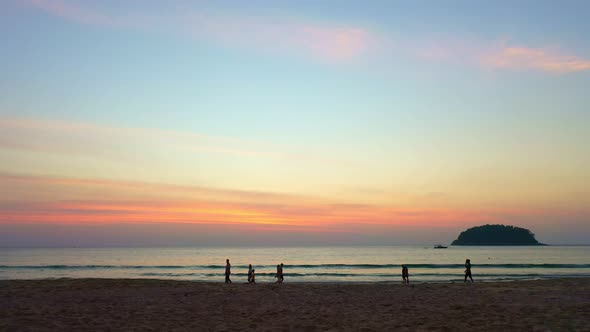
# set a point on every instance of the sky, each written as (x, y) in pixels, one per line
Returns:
(187, 123)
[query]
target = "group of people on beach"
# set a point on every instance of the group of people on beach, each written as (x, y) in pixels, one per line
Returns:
(279, 276)
(252, 273)
(406, 274)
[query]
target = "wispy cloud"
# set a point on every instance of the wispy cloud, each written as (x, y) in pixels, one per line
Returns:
(71, 11)
(526, 58)
(500, 55)
(227, 216)
(330, 43)
(79, 200)
(136, 189)
(325, 42)
(91, 13)
(79, 138)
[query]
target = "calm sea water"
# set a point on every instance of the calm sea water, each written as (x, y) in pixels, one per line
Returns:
(321, 264)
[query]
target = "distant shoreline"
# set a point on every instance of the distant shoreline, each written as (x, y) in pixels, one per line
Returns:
(499, 245)
(425, 246)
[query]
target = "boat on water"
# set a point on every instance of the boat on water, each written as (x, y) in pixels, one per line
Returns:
(440, 246)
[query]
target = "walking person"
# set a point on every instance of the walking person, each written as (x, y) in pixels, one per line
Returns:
(282, 276)
(250, 273)
(227, 271)
(468, 270)
(405, 275)
(253, 277)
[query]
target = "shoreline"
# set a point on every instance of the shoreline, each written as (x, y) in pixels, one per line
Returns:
(155, 304)
(293, 282)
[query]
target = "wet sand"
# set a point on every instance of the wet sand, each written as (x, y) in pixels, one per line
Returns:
(159, 305)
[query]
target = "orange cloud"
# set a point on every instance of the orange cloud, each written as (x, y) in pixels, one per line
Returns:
(33, 206)
(521, 57)
(211, 212)
(81, 201)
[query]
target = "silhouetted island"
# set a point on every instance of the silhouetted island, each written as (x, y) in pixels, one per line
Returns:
(496, 235)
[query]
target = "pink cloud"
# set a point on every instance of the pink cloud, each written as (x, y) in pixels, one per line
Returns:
(496, 55)
(69, 11)
(80, 200)
(335, 43)
(61, 201)
(94, 15)
(526, 58)
(319, 41)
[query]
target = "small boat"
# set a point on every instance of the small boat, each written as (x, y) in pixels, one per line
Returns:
(440, 246)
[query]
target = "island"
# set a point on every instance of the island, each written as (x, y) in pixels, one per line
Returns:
(496, 235)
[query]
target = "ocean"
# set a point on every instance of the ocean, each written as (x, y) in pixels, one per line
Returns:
(305, 264)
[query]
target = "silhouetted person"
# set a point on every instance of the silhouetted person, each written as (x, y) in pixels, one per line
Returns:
(253, 277)
(282, 276)
(405, 275)
(250, 272)
(278, 275)
(468, 270)
(227, 271)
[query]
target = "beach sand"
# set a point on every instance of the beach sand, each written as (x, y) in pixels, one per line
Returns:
(159, 305)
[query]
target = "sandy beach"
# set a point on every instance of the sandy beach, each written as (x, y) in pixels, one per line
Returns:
(158, 305)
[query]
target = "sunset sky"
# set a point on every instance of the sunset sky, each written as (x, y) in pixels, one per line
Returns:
(140, 123)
